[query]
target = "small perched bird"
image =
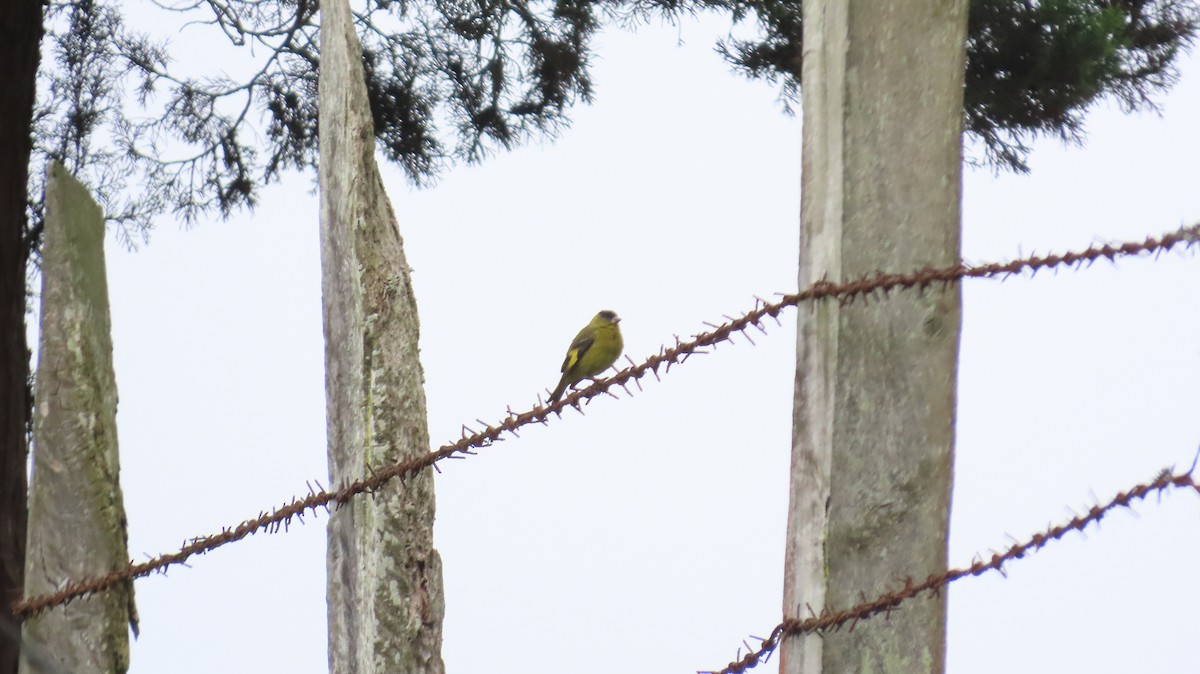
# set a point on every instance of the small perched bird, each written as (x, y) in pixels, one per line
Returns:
(593, 351)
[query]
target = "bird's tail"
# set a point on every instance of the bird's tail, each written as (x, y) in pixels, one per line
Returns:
(558, 391)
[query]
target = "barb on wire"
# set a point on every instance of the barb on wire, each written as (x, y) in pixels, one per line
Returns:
(830, 619)
(665, 358)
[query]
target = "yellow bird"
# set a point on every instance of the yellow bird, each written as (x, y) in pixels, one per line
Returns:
(594, 350)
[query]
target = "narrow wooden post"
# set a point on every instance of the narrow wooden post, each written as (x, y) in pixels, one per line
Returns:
(20, 41)
(873, 432)
(76, 512)
(385, 578)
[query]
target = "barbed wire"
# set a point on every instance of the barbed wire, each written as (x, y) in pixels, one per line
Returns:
(845, 293)
(887, 602)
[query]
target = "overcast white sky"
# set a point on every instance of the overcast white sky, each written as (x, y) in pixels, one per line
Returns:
(647, 536)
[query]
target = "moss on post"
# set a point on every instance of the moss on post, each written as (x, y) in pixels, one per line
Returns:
(76, 511)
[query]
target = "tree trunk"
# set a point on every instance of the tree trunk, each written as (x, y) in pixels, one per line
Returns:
(873, 431)
(20, 36)
(76, 513)
(385, 578)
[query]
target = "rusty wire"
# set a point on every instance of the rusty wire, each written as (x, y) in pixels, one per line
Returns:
(845, 293)
(887, 602)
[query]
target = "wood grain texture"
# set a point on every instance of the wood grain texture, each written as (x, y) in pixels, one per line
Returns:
(384, 575)
(873, 431)
(77, 524)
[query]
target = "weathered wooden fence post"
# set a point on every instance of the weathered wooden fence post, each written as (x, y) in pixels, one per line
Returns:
(76, 512)
(873, 432)
(385, 578)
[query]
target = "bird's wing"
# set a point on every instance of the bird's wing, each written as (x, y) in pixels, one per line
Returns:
(583, 342)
